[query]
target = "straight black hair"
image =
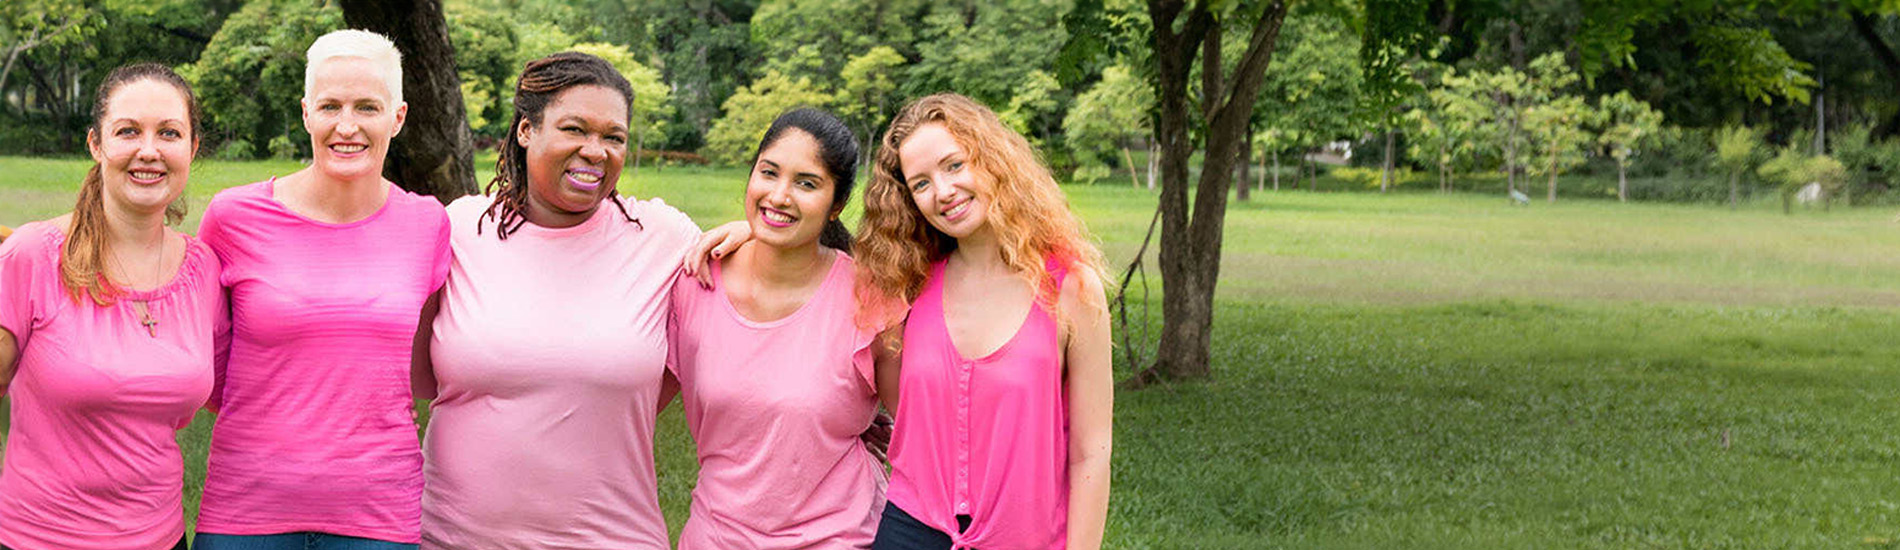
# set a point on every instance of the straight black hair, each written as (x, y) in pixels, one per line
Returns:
(837, 150)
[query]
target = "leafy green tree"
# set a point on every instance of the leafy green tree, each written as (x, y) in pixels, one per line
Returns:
(1560, 132)
(1628, 125)
(250, 77)
(1446, 128)
(485, 60)
(990, 51)
(1737, 150)
(1109, 116)
(750, 111)
(706, 52)
(868, 98)
(652, 100)
(1394, 34)
(1791, 170)
(821, 39)
(1310, 92)
(1037, 99)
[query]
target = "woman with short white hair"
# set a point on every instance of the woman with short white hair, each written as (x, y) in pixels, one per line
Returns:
(315, 446)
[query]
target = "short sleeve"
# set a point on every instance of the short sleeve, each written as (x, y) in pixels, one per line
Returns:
(440, 274)
(211, 230)
(26, 262)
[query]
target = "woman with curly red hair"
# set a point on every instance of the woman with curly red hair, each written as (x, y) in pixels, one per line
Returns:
(1004, 395)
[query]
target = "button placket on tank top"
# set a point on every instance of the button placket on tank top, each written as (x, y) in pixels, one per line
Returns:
(964, 367)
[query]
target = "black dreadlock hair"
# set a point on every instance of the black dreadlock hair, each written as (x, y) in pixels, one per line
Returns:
(542, 80)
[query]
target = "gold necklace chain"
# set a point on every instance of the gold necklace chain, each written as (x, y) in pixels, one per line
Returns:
(145, 307)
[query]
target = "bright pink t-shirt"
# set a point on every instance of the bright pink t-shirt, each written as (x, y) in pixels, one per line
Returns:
(314, 430)
(549, 351)
(91, 460)
(985, 437)
(775, 409)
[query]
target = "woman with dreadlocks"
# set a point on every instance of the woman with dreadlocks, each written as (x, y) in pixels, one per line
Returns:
(546, 350)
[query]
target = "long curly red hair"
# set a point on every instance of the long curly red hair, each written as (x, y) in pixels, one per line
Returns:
(1032, 220)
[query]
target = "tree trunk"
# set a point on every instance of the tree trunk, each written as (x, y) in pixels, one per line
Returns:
(1622, 182)
(1276, 169)
(1552, 168)
(1385, 176)
(1129, 160)
(1734, 189)
(1261, 180)
(639, 147)
(1154, 162)
(1243, 182)
(433, 155)
(1191, 247)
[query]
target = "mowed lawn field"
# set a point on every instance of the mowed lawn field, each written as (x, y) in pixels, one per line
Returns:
(1420, 370)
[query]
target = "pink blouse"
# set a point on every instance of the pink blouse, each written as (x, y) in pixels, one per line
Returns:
(775, 409)
(92, 462)
(549, 352)
(314, 428)
(985, 437)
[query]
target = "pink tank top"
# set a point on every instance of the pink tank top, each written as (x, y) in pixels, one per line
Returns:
(985, 437)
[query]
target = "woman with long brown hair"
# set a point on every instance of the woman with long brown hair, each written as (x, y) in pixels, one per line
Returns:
(107, 326)
(1004, 396)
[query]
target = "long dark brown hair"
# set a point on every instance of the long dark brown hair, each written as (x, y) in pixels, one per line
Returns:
(837, 150)
(541, 81)
(82, 262)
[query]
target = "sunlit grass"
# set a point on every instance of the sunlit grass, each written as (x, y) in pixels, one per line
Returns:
(1418, 370)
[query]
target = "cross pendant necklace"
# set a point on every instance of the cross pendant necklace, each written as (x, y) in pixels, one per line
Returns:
(145, 307)
(145, 317)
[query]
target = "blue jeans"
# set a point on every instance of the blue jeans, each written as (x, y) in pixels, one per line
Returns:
(293, 541)
(897, 530)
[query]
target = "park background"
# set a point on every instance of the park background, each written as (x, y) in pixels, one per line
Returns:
(1685, 340)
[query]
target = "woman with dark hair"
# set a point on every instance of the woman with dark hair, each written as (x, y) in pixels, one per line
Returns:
(107, 328)
(545, 351)
(776, 376)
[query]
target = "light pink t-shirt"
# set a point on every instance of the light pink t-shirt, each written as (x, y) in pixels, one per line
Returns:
(314, 430)
(91, 460)
(986, 437)
(775, 409)
(548, 353)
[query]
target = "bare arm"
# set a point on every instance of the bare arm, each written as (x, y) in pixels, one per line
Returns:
(9, 358)
(669, 388)
(421, 366)
(1090, 382)
(889, 362)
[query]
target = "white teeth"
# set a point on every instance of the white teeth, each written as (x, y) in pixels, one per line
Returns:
(584, 177)
(777, 216)
(348, 148)
(145, 175)
(958, 210)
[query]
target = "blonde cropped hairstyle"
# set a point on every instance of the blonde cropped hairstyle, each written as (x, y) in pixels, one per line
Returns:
(1032, 220)
(356, 43)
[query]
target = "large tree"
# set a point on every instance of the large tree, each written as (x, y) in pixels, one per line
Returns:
(1190, 243)
(434, 153)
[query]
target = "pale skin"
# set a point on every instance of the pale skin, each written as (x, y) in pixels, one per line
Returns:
(144, 148)
(351, 115)
(985, 302)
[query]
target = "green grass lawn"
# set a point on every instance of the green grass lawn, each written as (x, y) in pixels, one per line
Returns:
(1419, 370)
